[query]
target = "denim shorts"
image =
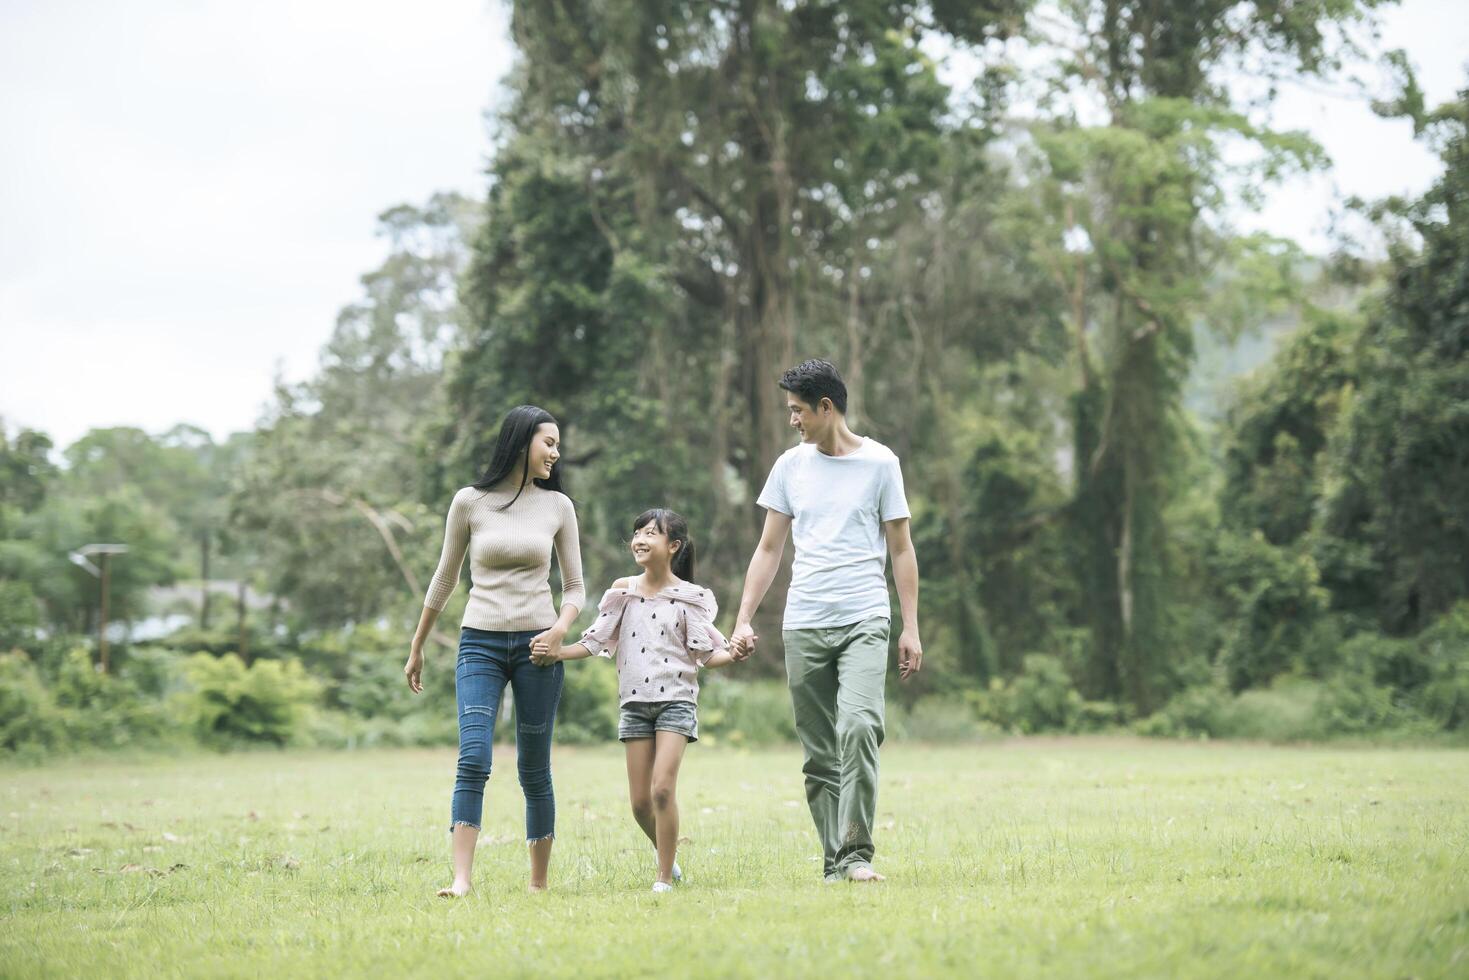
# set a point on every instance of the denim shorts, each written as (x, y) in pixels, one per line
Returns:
(640, 719)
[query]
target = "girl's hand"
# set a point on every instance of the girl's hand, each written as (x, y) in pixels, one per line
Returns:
(545, 648)
(413, 670)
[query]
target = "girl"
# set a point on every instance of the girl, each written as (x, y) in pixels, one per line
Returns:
(660, 628)
(509, 522)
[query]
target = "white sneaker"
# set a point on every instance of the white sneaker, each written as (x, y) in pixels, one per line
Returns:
(659, 887)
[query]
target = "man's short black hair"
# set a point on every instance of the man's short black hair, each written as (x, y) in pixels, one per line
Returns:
(814, 380)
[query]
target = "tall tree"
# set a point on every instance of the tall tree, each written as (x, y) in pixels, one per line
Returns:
(1394, 539)
(1136, 202)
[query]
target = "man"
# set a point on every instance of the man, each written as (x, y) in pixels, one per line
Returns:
(841, 495)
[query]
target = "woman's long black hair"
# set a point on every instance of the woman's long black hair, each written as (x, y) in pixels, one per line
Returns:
(516, 433)
(677, 529)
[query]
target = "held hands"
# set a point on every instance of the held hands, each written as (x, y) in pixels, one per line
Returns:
(742, 642)
(413, 670)
(910, 654)
(545, 648)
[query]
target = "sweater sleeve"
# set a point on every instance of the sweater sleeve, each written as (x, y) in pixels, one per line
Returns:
(568, 557)
(601, 637)
(451, 559)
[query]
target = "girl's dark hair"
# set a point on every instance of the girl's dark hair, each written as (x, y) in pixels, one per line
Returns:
(677, 529)
(814, 380)
(516, 433)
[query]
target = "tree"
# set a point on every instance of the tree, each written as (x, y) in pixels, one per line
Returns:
(1395, 528)
(1134, 204)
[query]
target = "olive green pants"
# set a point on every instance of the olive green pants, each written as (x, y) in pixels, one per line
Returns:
(836, 678)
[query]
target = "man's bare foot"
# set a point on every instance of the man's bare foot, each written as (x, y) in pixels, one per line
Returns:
(533, 888)
(457, 890)
(864, 873)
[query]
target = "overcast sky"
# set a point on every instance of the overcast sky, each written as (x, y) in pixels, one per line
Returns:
(188, 188)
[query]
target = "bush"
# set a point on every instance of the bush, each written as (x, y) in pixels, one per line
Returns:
(268, 701)
(1445, 652)
(30, 722)
(588, 711)
(20, 613)
(153, 672)
(1042, 698)
(1351, 704)
(940, 718)
(1274, 598)
(745, 712)
(104, 710)
(1193, 712)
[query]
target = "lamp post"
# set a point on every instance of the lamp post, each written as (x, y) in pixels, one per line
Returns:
(82, 557)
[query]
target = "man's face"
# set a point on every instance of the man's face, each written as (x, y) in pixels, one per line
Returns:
(811, 422)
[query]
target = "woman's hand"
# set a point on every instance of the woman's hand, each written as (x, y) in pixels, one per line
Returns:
(545, 648)
(413, 670)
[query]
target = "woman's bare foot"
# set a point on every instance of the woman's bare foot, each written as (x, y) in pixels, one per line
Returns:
(864, 873)
(457, 890)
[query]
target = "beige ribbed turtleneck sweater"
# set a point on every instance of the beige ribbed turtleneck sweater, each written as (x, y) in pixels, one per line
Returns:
(509, 557)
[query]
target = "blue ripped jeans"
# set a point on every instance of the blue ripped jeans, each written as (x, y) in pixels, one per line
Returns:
(488, 660)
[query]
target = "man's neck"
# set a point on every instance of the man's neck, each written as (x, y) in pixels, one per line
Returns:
(840, 441)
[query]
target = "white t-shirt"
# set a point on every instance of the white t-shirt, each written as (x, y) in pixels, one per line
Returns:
(838, 504)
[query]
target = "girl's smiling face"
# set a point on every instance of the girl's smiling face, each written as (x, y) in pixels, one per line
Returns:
(651, 547)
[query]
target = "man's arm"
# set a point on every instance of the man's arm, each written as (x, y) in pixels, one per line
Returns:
(905, 574)
(764, 563)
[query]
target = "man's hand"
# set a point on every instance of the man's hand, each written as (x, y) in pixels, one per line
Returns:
(910, 654)
(742, 642)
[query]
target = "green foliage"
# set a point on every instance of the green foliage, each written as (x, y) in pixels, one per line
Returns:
(1042, 698)
(939, 718)
(29, 719)
(1400, 458)
(588, 710)
(1273, 598)
(688, 197)
(268, 701)
(745, 713)
(20, 614)
(1444, 649)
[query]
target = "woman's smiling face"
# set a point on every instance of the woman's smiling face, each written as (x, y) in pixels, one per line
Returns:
(544, 450)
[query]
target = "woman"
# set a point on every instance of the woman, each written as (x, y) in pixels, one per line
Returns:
(509, 521)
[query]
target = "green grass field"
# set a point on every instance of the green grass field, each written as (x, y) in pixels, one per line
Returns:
(1027, 858)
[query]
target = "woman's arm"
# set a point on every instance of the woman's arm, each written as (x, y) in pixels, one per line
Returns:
(446, 578)
(573, 592)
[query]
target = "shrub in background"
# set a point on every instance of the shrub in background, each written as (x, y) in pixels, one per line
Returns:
(739, 712)
(30, 722)
(588, 711)
(269, 701)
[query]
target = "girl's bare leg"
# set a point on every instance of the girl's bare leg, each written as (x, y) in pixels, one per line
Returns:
(640, 784)
(667, 756)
